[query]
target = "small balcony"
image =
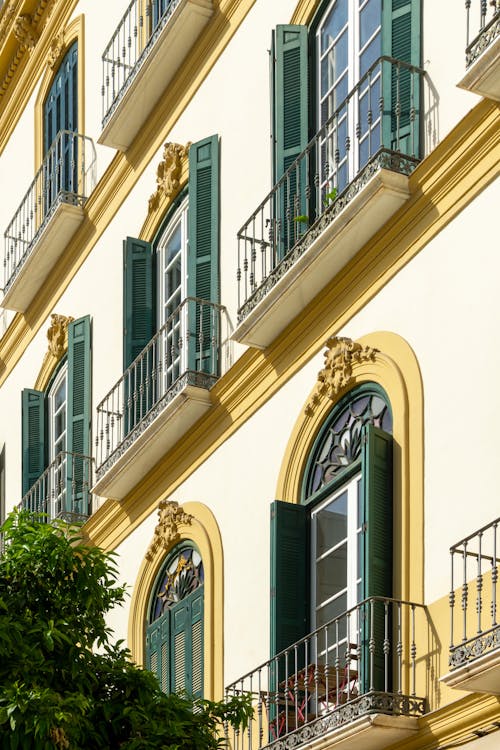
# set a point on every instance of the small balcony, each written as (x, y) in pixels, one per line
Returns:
(482, 53)
(350, 179)
(352, 680)
(475, 631)
(63, 490)
(47, 218)
(146, 50)
(161, 395)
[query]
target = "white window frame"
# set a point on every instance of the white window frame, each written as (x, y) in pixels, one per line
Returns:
(56, 500)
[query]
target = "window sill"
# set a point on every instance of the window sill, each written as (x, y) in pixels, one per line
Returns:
(370, 732)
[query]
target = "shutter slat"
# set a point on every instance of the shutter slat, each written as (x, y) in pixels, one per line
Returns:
(78, 415)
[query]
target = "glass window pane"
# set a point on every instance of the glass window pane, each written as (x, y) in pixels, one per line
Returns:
(331, 574)
(369, 20)
(331, 524)
(368, 57)
(329, 612)
(333, 24)
(174, 243)
(60, 395)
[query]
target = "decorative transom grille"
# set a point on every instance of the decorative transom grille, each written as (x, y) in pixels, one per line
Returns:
(183, 575)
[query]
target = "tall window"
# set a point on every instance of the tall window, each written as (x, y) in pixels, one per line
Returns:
(345, 520)
(56, 433)
(60, 120)
(174, 635)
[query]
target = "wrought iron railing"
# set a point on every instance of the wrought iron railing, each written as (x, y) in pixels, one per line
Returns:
(63, 490)
(474, 622)
(187, 350)
(67, 175)
(483, 26)
(376, 125)
(129, 46)
(364, 661)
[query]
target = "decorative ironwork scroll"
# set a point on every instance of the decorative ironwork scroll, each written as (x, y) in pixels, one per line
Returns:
(183, 575)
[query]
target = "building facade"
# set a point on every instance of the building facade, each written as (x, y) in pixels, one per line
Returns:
(249, 266)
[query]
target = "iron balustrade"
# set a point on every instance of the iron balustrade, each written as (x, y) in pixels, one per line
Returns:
(364, 661)
(483, 29)
(187, 350)
(376, 125)
(67, 175)
(63, 490)
(129, 46)
(474, 624)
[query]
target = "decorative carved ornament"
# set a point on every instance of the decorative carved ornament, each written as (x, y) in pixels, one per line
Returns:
(171, 516)
(55, 50)
(168, 173)
(25, 30)
(57, 335)
(340, 357)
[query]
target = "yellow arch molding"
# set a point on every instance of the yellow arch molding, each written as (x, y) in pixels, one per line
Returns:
(393, 366)
(196, 523)
(58, 48)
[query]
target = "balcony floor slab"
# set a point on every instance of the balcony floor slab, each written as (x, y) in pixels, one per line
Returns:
(483, 76)
(154, 72)
(303, 278)
(370, 732)
(480, 675)
(43, 255)
(143, 447)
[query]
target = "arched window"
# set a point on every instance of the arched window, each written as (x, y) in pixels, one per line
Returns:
(174, 634)
(335, 548)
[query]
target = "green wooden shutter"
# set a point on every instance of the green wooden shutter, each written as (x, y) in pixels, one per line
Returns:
(289, 574)
(377, 478)
(186, 651)
(138, 298)
(290, 118)
(78, 415)
(33, 437)
(197, 634)
(401, 22)
(203, 253)
(157, 650)
(290, 89)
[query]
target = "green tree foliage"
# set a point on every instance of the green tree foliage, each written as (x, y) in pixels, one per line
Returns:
(63, 683)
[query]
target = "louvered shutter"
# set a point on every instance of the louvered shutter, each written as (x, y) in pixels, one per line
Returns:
(157, 647)
(290, 125)
(203, 254)
(33, 437)
(401, 40)
(78, 416)
(377, 478)
(138, 328)
(186, 651)
(196, 606)
(289, 574)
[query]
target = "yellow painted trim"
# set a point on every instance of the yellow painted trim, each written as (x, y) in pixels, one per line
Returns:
(204, 532)
(304, 11)
(396, 369)
(23, 80)
(443, 184)
(75, 31)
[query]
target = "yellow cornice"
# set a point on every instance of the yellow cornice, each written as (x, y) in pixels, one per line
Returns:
(452, 176)
(22, 65)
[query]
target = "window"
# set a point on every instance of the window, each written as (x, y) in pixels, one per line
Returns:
(174, 634)
(345, 520)
(343, 83)
(56, 432)
(60, 124)
(170, 287)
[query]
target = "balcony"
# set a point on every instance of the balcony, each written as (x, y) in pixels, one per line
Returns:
(47, 218)
(349, 180)
(63, 490)
(146, 50)
(482, 54)
(160, 396)
(352, 681)
(475, 632)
